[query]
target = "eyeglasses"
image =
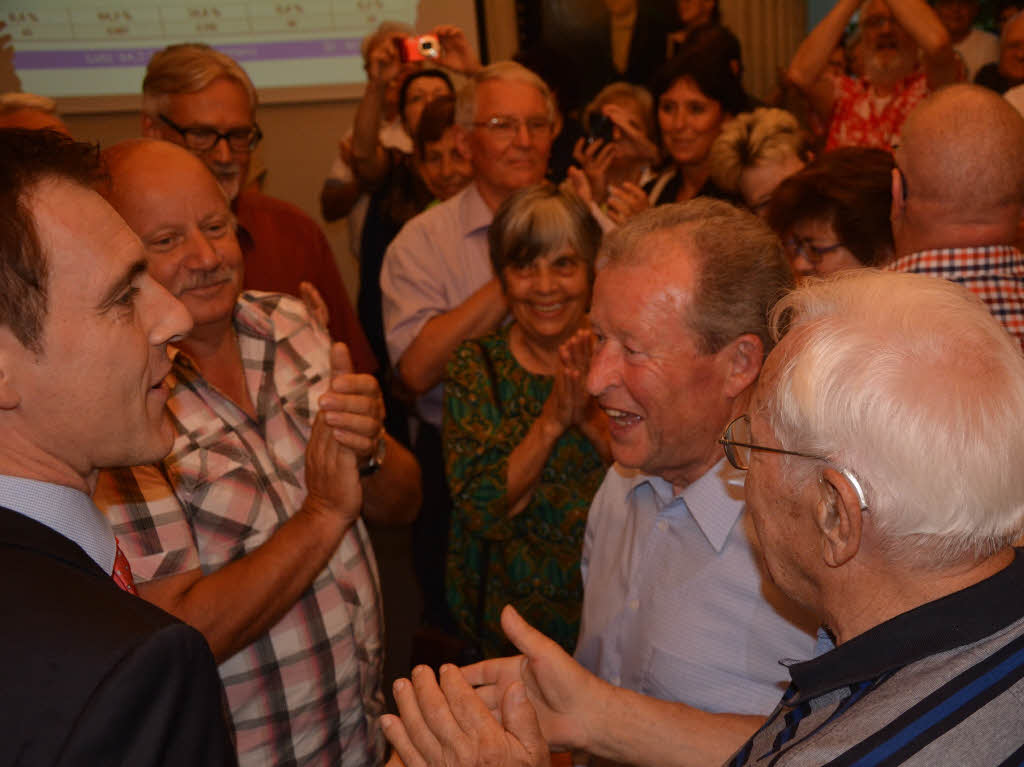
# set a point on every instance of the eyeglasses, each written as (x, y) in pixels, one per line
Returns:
(505, 128)
(202, 138)
(738, 446)
(814, 254)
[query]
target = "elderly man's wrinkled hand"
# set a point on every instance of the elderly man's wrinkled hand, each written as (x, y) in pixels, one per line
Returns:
(448, 725)
(562, 692)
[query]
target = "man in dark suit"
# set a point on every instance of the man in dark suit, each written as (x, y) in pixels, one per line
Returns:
(91, 674)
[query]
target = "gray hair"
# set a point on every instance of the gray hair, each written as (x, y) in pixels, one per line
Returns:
(908, 381)
(188, 68)
(752, 138)
(542, 219)
(505, 71)
(742, 267)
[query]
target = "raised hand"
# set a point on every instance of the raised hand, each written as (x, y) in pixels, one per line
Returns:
(595, 158)
(561, 690)
(353, 406)
(627, 123)
(625, 201)
(456, 52)
(332, 468)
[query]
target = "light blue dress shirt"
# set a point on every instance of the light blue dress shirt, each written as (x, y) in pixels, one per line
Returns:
(64, 510)
(438, 260)
(677, 603)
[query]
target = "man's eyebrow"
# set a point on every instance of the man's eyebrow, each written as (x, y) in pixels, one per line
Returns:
(126, 279)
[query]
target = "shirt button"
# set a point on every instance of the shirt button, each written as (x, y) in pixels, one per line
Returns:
(634, 604)
(662, 525)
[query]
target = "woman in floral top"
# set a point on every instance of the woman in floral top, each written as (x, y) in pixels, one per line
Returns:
(525, 445)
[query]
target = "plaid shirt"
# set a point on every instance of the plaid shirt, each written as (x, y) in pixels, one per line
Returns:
(308, 691)
(994, 273)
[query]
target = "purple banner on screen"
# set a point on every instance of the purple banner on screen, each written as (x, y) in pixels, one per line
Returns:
(139, 57)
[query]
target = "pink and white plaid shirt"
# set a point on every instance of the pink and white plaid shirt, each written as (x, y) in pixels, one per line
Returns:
(994, 273)
(308, 691)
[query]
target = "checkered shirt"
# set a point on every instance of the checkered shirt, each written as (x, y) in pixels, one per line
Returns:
(308, 691)
(994, 273)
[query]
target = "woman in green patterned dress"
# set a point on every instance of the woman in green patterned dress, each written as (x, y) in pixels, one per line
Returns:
(525, 445)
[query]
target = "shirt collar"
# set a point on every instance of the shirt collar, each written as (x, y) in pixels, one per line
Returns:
(952, 621)
(64, 510)
(474, 215)
(248, 320)
(981, 258)
(715, 500)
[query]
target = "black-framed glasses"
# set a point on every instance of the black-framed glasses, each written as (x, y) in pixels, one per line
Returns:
(814, 254)
(738, 445)
(202, 138)
(506, 127)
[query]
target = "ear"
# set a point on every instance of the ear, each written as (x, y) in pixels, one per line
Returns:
(742, 357)
(898, 200)
(839, 519)
(150, 127)
(9, 347)
(462, 142)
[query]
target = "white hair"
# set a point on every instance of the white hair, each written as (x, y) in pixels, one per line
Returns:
(505, 71)
(908, 381)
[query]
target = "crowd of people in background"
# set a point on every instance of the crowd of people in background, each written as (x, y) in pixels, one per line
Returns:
(699, 401)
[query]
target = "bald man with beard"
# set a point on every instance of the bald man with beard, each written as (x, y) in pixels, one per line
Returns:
(958, 197)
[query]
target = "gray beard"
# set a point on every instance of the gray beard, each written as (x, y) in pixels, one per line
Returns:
(884, 69)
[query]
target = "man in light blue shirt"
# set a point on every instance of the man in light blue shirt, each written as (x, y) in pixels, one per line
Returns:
(676, 601)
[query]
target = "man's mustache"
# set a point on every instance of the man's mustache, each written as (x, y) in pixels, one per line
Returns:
(206, 279)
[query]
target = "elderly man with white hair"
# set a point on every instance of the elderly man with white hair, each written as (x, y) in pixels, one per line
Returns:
(882, 447)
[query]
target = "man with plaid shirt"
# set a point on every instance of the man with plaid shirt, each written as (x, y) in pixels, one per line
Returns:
(250, 529)
(958, 197)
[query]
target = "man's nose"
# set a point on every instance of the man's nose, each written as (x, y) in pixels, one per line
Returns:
(202, 255)
(221, 151)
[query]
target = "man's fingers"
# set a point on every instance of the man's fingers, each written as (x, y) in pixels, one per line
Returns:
(370, 405)
(436, 710)
(405, 753)
(469, 711)
(520, 718)
(490, 671)
(341, 362)
(415, 727)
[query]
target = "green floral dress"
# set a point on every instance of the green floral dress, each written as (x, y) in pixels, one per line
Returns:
(532, 560)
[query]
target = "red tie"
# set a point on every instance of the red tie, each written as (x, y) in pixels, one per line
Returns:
(122, 572)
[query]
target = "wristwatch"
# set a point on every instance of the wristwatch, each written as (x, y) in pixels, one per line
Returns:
(376, 460)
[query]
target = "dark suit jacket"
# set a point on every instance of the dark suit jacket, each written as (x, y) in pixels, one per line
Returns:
(91, 675)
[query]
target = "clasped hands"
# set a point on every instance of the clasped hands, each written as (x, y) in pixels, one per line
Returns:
(345, 434)
(506, 712)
